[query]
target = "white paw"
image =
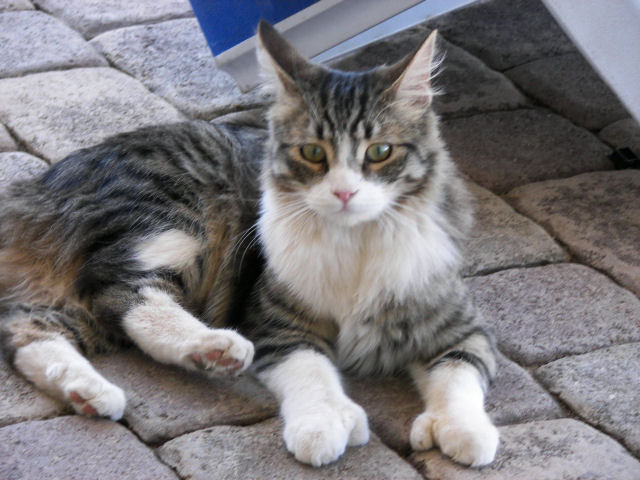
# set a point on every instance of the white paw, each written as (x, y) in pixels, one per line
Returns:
(320, 433)
(469, 439)
(218, 352)
(88, 392)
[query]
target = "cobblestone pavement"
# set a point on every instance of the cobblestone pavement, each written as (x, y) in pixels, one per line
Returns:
(554, 261)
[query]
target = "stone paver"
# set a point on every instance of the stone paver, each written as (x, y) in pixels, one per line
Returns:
(543, 313)
(465, 83)
(502, 238)
(15, 5)
(164, 402)
(603, 387)
(393, 403)
(504, 33)
(20, 401)
(258, 451)
(55, 113)
(76, 448)
(502, 150)
(623, 133)
(91, 17)
(7, 143)
(173, 60)
(548, 450)
(595, 215)
(35, 42)
(569, 85)
(19, 166)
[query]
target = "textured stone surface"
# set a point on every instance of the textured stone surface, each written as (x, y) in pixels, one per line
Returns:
(19, 166)
(623, 133)
(91, 17)
(258, 451)
(14, 5)
(543, 313)
(173, 60)
(467, 85)
(35, 42)
(502, 150)
(76, 448)
(502, 238)
(55, 113)
(164, 402)
(603, 387)
(570, 86)
(20, 401)
(393, 403)
(504, 33)
(549, 450)
(7, 143)
(596, 215)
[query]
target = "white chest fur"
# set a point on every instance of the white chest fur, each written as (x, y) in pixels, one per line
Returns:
(348, 272)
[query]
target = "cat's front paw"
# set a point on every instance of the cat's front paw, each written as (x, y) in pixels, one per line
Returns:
(320, 434)
(469, 439)
(219, 352)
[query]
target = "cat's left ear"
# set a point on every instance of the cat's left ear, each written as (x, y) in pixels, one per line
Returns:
(412, 88)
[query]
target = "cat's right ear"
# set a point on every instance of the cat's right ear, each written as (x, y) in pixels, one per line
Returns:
(280, 61)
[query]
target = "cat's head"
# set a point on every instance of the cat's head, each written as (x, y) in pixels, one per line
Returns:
(347, 147)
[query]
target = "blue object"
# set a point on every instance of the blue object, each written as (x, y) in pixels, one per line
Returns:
(227, 23)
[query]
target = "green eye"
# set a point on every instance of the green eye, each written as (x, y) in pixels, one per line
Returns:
(313, 152)
(378, 152)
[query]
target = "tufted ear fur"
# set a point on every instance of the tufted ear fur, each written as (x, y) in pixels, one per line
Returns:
(412, 88)
(281, 63)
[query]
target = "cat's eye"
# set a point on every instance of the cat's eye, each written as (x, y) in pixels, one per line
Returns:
(378, 152)
(313, 152)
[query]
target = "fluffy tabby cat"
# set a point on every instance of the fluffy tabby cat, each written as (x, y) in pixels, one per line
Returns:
(333, 242)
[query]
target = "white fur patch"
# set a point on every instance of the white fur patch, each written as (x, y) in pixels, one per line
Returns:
(57, 368)
(174, 249)
(454, 419)
(170, 334)
(320, 420)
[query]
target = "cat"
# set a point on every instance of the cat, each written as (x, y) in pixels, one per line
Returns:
(331, 241)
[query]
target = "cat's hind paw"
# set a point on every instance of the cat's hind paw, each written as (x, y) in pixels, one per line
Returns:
(467, 439)
(220, 353)
(96, 397)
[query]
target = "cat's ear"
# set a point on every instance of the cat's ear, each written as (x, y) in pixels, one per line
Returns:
(280, 61)
(412, 86)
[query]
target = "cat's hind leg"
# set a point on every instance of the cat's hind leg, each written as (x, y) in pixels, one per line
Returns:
(453, 388)
(43, 347)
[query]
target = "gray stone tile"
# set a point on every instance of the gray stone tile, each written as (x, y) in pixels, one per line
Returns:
(21, 401)
(502, 150)
(504, 33)
(502, 238)
(35, 42)
(15, 5)
(623, 133)
(603, 388)
(91, 17)
(164, 402)
(19, 166)
(76, 448)
(595, 215)
(173, 60)
(258, 451)
(548, 450)
(467, 85)
(569, 85)
(7, 144)
(393, 403)
(540, 314)
(55, 113)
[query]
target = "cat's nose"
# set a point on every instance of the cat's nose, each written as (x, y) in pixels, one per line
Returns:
(344, 195)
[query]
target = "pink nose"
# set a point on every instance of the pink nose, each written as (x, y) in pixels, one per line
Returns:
(344, 195)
